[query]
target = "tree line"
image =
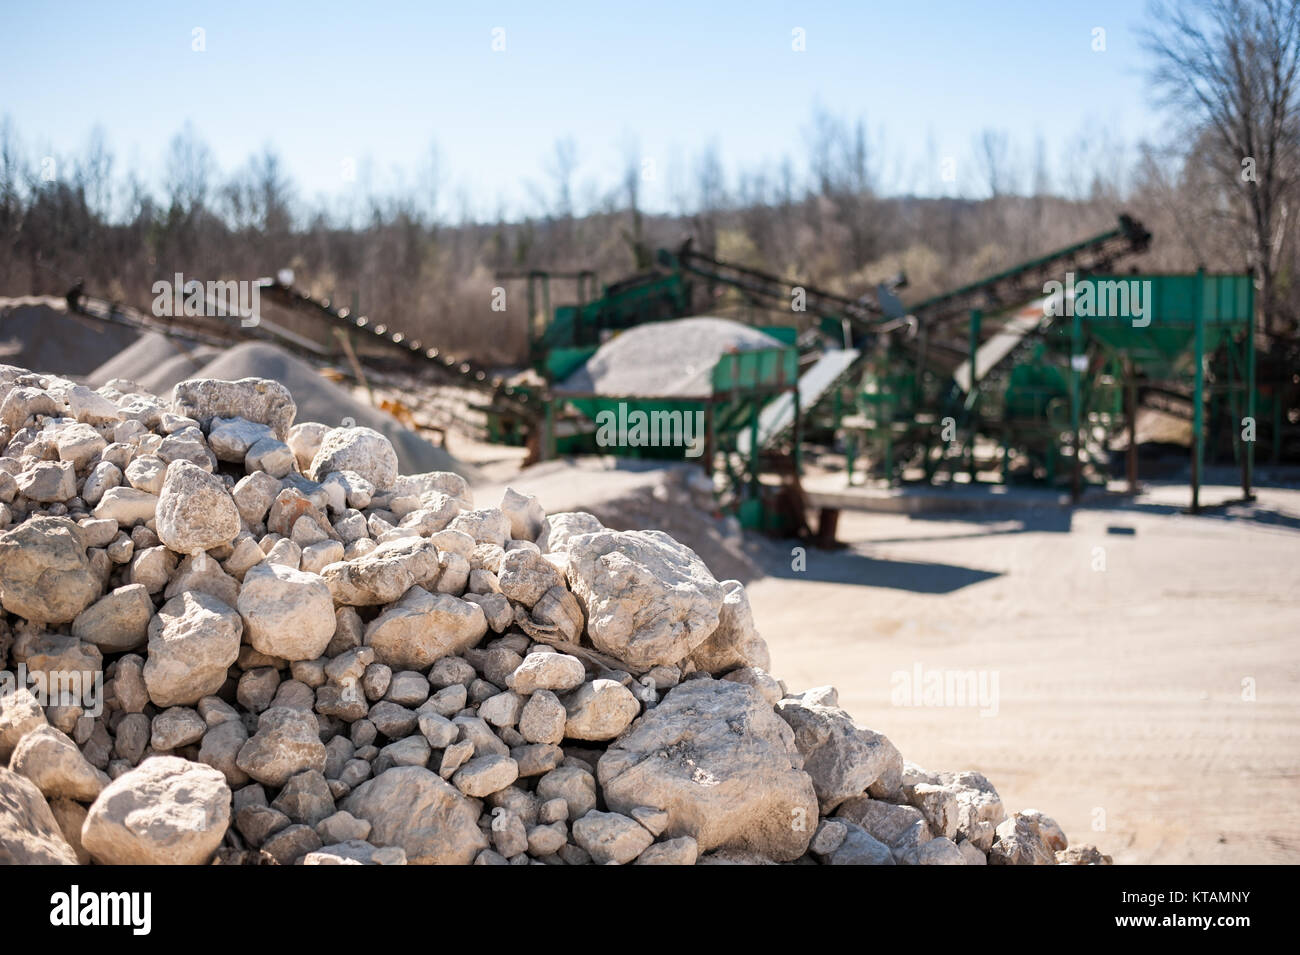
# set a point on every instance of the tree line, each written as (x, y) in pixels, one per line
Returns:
(1218, 188)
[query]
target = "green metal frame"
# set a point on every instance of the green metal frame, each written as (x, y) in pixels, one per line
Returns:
(1191, 316)
(742, 384)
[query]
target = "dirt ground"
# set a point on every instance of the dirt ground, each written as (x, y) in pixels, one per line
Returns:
(1141, 665)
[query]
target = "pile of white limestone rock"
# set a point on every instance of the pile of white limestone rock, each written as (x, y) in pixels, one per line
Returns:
(230, 638)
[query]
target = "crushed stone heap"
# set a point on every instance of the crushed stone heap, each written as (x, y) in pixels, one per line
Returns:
(673, 358)
(306, 657)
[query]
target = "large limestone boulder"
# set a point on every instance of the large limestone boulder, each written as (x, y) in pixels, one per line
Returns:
(384, 574)
(20, 713)
(29, 833)
(45, 575)
(287, 742)
(193, 640)
(118, 621)
(1019, 842)
(51, 760)
(166, 811)
(195, 511)
(411, 807)
(842, 759)
(735, 643)
(648, 600)
(254, 399)
(361, 450)
(558, 529)
(723, 766)
(287, 613)
(422, 627)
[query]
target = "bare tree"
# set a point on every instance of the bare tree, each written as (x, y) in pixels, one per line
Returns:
(710, 196)
(561, 167)
(95, 174)
(1041, 184)
(634, 235)
(189, 172)
(841, 160)
(1232, 69)
(431, 182)
(11, 175)
(993, 156)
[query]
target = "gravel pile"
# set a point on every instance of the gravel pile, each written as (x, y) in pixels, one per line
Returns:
(308, 657)
(155, 362)
(664, 359)
(37, 332)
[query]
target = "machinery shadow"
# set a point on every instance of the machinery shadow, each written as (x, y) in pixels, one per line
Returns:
(1236, 511)
(849, 567)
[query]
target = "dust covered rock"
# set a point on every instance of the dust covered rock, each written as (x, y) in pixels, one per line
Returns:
(29, 833)
(724, 767)
(259, 400)
(167, 811)
(195, 511)
(45, 576)
(647, 599)
(411, 808)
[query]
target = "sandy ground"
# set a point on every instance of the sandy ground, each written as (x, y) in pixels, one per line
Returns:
(1114, 677)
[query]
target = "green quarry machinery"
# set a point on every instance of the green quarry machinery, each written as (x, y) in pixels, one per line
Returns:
(720, 430)
(896, 393)
(1063, 383)
(983, 379)
(560, 341)
(931, 401)
(1196, 331)
(753, 419)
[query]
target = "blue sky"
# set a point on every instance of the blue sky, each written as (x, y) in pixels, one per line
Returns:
(376, 84)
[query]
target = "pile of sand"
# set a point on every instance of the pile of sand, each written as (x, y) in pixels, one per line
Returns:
(664, 359)
(38, 333)
(156, 362)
